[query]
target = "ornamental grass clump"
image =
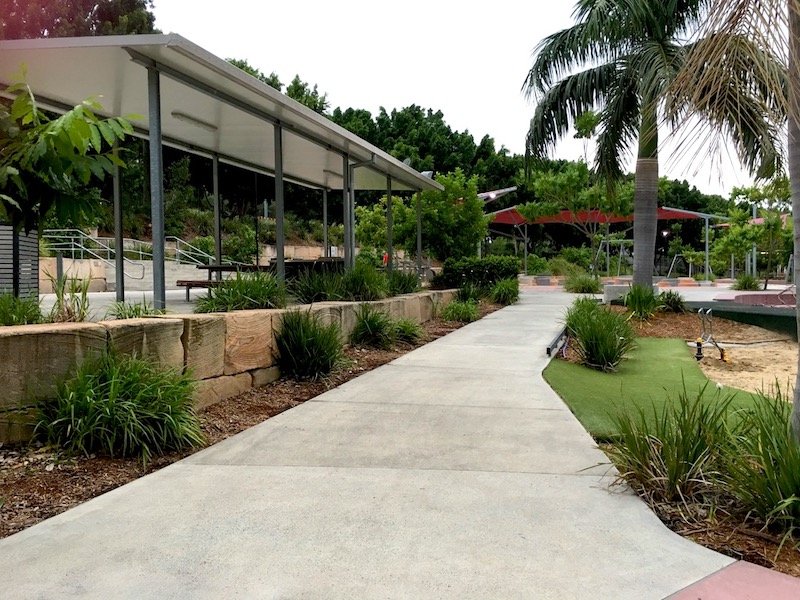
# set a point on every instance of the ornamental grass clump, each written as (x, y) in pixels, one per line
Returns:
(674, 455)
(312, 286)
(19, 311)
(671, 301)
(307, 348)
(132, 310)
(469, 292)
(121, 406)
(461, 311)
(746, 283)
(505, 292)
(244, 292)
(373, 328)
(364, 283)
(601, 337)
(401, 282)
(582, 283)
(642, 301)
(407, 331)
(762, 471)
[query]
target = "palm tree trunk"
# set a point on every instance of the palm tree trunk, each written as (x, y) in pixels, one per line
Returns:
(794, 176)
(645, 199)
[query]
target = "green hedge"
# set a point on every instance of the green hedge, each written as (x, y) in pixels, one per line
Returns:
(481, 272)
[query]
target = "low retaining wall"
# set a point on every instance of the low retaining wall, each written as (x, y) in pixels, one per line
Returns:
(227, 353)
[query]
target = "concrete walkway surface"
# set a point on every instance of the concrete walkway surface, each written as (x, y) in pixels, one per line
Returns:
(453, 472)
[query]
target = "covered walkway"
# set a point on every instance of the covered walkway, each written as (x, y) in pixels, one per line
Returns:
(453, 472)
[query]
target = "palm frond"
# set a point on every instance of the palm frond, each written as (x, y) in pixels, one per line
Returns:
(620, 122)
(564, 102)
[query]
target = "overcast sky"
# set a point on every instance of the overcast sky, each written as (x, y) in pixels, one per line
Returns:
(467, 59)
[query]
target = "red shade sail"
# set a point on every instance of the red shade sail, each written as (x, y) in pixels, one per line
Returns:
(511, 216)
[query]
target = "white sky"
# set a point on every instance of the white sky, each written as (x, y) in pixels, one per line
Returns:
(467, 59)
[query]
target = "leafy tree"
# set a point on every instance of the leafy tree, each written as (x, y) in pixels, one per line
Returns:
(573, 189)
(635, 48)
(453, 222)
(271, 80)
(67, 18)
(585, 129)
(46, 164)
(302, 92)
(371, 224)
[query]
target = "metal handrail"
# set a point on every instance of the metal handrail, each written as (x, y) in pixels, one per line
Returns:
(74, 240)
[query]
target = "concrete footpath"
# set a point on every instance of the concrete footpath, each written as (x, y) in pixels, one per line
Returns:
(453, 472)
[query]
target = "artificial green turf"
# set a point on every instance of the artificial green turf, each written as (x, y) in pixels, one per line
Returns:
(655, 371)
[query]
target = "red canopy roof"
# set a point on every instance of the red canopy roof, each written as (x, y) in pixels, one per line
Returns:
(511, 216)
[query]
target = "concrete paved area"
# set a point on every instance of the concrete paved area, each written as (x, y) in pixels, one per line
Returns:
(454, 472)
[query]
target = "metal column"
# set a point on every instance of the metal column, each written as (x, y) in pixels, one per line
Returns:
(119, 250)
(389, 225)
(348, 259)
(156, 186)
(279, 235)
(419, 234)
(327, 251)
(525, 253)
(352, 210)
(217, 213)
(707, 267)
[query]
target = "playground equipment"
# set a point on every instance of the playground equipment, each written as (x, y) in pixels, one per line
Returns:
(707, 336)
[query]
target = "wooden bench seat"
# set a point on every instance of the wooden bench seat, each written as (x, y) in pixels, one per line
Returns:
(196, 283)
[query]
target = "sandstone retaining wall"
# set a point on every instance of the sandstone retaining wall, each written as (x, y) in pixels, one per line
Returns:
(227, 353)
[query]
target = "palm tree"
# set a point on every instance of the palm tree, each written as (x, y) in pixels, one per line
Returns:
(764, 24)
(630, 51)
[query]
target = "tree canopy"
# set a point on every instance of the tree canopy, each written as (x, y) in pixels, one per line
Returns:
(67, 18)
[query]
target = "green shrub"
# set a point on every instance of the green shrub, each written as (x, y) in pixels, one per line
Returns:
(537, 265)
(132, 310)
(19, 311)
(763, 468)
(243, 292)
(463, 312)
(505, 292)
(641, 301)
(583, 283)
(314, 286)
(601, 337)
(121, 406)
(482, 272)
(401, 282)
(364, 283)
(561, 267)
(205, 244)
(671, 301)
(747, 283)
(307, 349)
(72, 300)
(240, 246)
(676, 455)
(408, 331)
(501, 246)
(373, 328)
(469, 292)
(582, 257)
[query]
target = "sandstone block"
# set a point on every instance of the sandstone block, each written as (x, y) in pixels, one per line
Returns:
(36, 358)
(265, 376)
(412, 305)
(156, 339)
(348, 311)
(250, 339)
(327, 312)
(217, 389)
(203, 344)
(17, 425)
(427, 307)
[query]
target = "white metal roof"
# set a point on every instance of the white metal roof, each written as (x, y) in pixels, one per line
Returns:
(207, 106)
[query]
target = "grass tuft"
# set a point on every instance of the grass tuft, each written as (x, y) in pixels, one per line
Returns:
(121, 406)
(505, 292)
(244, 292)
(19, 311)
(308, 349)
(601, 337)
(461, 311)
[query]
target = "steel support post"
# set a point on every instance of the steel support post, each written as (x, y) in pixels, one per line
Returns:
(389, 225)
(156, 186)
(327, 247)
(119, 250)
(217, 214)
(279, 230)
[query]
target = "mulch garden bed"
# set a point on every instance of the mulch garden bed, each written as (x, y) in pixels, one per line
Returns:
(40, 482)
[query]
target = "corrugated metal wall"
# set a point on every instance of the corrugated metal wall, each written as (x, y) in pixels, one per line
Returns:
(29, 262)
